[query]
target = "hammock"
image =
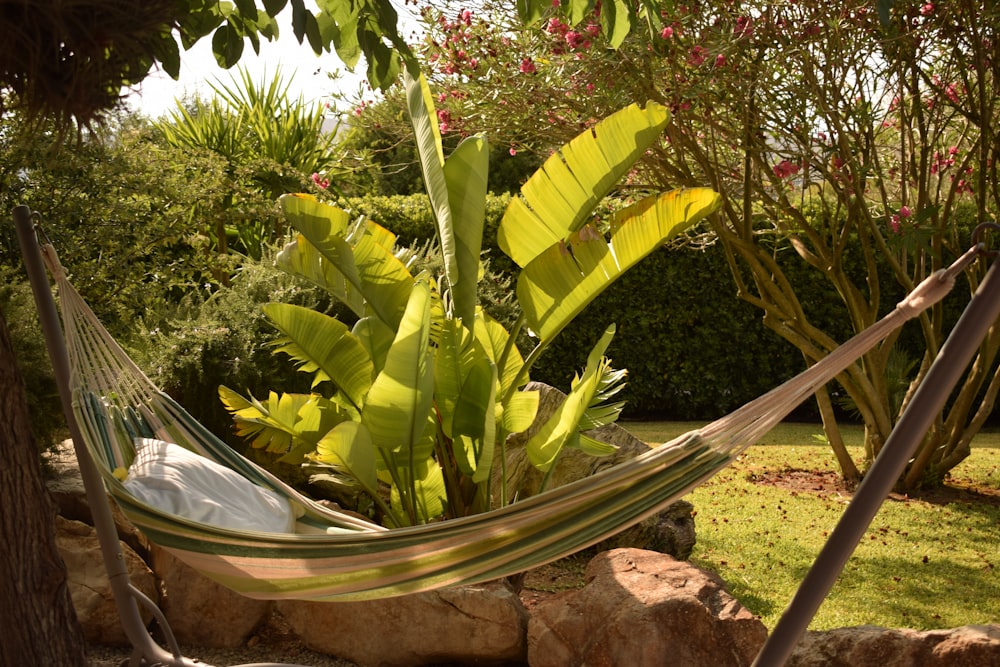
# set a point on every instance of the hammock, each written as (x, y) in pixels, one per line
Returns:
(114, 403)
(340, 557)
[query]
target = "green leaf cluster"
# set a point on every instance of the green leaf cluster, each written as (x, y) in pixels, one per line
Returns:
(353, 29)
(412, 403)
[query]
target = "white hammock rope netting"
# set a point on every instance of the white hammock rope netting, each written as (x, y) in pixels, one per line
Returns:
(338, 556)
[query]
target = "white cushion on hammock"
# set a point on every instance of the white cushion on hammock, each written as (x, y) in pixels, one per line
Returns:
(178, 481)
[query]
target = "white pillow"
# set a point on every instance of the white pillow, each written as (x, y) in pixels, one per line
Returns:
(178, 481)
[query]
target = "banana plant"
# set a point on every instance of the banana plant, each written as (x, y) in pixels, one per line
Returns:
(412, 404)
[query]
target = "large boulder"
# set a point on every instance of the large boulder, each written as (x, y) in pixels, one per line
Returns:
(642, 608)
(670, 531)
(202, 612)
(88, 581)
(871, 646)
(482, 625)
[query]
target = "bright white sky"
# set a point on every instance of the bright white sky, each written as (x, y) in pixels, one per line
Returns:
(308, 72)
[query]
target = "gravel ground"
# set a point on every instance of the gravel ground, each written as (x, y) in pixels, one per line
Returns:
(274, 643)
(113, 656)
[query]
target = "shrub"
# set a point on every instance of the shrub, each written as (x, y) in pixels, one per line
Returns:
(190, 348)
(44, 406)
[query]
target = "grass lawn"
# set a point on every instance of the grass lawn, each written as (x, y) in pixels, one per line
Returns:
(925, 562)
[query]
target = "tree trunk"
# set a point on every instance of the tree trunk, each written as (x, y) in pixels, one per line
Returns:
(848, 470)
(36, 612)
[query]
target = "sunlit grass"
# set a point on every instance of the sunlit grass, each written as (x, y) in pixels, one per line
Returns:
(920, 565)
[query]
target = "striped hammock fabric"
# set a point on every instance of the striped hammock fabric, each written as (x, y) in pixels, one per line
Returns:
(339, 557)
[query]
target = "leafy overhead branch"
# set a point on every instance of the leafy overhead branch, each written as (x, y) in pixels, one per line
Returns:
(69, 61)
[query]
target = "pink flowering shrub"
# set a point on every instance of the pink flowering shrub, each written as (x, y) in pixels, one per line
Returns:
(882, 114)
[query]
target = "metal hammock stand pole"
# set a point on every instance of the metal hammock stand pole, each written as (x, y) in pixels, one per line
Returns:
(928, 401)
(128, 598)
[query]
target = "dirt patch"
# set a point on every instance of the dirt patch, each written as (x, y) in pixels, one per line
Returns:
(549, 581)
(828, 483)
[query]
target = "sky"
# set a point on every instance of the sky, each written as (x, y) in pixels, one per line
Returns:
(308, 72)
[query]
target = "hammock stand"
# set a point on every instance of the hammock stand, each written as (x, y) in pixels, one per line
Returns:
(687, 461)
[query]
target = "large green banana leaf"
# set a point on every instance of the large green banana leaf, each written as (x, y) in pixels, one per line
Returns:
(501, 350)
(455, 355)
(397, 410)
(364, 254)
(474, 424)
(559, 283)
(456, 187)
(348, 447)
(519, 411)
(466, 172)
(305, 259)
(428, 140)
(560, 197)
(376, 337)
(323, 345)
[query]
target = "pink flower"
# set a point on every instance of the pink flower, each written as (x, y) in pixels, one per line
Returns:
(905, 212)
(927, 9)
(667, 32)
(322, 183)
(528, 66)
(785, 169)
(744, 26)
(512, 151)
(894, 224)
(720, 60)
(444, 120)
(697, 56)
(951, 91)
(574, 39)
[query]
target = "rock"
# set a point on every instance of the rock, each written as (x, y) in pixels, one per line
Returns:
(88, 581)
(670, 531)
(65, 486)
(642, 608)
(481, 625)
(202, 612)
(871, 646)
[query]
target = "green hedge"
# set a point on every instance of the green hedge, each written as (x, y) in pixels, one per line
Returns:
(693, 350)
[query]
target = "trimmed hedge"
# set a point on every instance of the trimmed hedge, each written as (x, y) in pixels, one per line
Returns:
(693, 350)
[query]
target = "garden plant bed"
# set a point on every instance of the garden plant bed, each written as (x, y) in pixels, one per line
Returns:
(830, 483)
